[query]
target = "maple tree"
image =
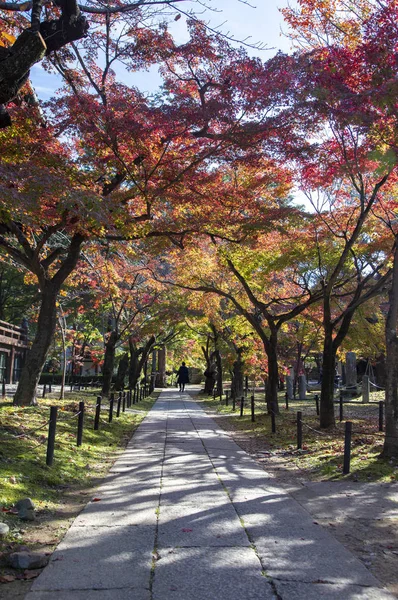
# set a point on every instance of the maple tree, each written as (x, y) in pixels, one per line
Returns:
(260, 280)
(351, 64)
(130, 167)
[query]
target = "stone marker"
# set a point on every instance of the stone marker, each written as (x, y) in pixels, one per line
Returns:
(4, 529)
(351, 369)
(289, 387)
(28, 560)
(25, 508)
(302, 387)
(365, 388)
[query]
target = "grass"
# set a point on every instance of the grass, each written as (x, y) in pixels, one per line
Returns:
(322, 452)
(23, 446)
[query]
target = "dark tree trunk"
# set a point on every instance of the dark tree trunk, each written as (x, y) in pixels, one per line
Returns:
(36, 356)
(219, 372)
(273, 375)
(122, 372)
(390, 448)
(327, 418)
(271, 350)
(138, 357)
(46, 324)
(237, 377)
(109, 363)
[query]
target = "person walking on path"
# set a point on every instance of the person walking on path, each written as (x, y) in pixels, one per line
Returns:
(183, 377)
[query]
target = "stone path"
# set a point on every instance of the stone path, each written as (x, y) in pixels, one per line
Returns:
(185, 514)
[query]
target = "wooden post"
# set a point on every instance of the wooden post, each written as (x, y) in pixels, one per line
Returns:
(51, 435)
(299, 430)
(242, 404)
(226, 397)
(80, 423)
(341, 406)
(252, 408)
(287, 401)
(273, 422)
(119, 404)
(347, 447)
(97, 413)
(111, 401)
(233, 404)
(381, 415)
(44, 390)
(123, 401)
(317, 403)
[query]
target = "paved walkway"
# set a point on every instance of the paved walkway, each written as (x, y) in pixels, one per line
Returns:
(185, 514)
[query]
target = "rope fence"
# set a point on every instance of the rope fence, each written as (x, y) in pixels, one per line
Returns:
(125, 399)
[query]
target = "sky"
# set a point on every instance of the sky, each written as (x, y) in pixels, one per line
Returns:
(260, 22)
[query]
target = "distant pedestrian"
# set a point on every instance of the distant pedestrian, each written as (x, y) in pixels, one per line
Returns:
(182, 377)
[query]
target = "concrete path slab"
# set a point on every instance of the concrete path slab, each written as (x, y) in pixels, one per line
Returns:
(186, 514)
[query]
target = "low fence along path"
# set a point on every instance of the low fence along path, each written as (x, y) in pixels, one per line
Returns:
(186, 514)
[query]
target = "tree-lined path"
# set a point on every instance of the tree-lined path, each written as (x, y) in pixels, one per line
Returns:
(186, 514)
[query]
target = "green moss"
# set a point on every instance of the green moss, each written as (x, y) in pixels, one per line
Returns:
(322, 453)
(23, 447)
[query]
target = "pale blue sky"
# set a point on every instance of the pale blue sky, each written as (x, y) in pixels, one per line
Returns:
(261, 23)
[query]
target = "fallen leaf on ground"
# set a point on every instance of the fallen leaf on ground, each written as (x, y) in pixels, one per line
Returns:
(7, 578)
(32, 574)
(96, 500)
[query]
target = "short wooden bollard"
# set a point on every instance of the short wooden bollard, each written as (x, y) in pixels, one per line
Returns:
(111, 401)
(341, 407)
(347, 447)
(123, 401)
(226, 398)
(44, 390)
(287, 401)
(49, 388)
(317, 403)
(273, 421)
(253, 416)
(51, 435)
(119, 404)
(381, 415)
(97, 413)
(233, 403)
(80, 423)
(299, 430)
(242, 405)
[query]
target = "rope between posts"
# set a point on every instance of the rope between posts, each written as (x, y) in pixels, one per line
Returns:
(377, 386)
(72, 417)
(316, 430)
(32, 430)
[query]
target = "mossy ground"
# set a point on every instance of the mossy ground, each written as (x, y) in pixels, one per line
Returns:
(322, 452)
(23, 470)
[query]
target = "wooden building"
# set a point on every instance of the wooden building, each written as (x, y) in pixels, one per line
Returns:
(13, 347)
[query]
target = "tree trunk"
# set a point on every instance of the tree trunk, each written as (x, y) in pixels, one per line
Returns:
(219, 372)
(109, 363)
(391, 439)
(237, 377)
(36, 356)
(327, 418)
(273, 376)
(271, 350)
(138, 357)
(122, 372)
(62, 326)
